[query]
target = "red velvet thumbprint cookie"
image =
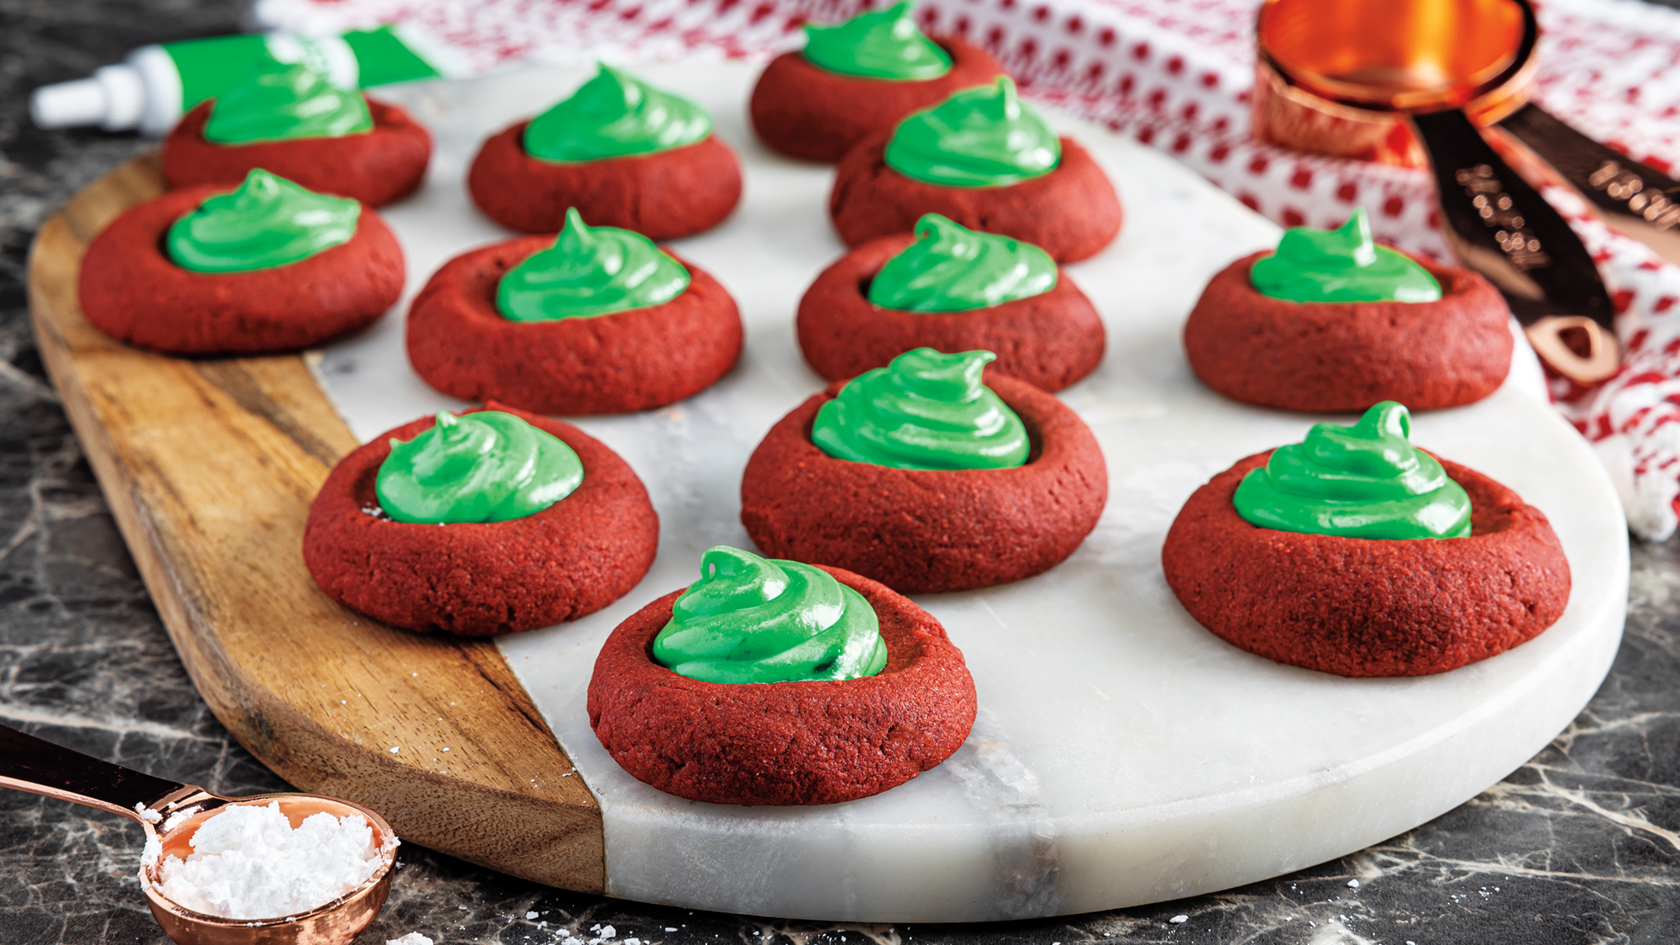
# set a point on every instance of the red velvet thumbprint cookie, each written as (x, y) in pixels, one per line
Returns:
(856, 78)
(921, 477)
(952, 289)
(269, 267)
(598, 321)
(1357, 554)
(988, 161)
(621, 152)
(837, 688)
(1332, 322)
(288, 119)
(494, 521)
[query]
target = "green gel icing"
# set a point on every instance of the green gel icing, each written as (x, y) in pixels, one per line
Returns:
(979, 137)
(614, 115)
(281, 102)
(950, 268)
(1341, 266)
(269, 221)
(756, 620)
(487, 466)
(925, 410)
(588, 272)
(1359, 481)
(884, 44)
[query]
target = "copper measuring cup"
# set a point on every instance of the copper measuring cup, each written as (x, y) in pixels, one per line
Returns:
(1412, 83)
(31, 764)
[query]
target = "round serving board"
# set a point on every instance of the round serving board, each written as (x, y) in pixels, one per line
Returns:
(1122, 755)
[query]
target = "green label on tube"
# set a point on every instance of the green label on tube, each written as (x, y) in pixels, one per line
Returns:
(210, 67)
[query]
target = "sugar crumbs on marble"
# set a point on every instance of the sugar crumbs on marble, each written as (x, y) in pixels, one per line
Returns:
(412, 938)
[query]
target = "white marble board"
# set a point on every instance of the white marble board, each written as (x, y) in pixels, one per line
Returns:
(1123, 754)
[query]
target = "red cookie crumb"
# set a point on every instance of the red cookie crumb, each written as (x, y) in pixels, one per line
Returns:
(1070, 213)
(804, 111)
(1049, 340)
(924, 530)
(129, 289)
(663, 196)
(474, 579)
(1346, 356)
(636, 360)
(1368, 607)
(379, 167)
(801, 743)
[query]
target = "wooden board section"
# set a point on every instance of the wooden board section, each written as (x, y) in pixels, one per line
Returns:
(209, 466)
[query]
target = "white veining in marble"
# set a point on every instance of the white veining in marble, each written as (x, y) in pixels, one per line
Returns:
(1123, 754)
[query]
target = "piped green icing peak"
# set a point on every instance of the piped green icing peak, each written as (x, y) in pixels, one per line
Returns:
(925, 410)
(1359, 481)
(269, 221)
(614, 115)
(589, 271)
(756, 620)
(881, 44)
(979, 137)
(487, 466)
(1342, 265)
(951, 268)
(284, 101)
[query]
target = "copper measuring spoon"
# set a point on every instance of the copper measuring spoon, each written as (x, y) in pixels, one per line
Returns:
(176, 811)
(1411, 82)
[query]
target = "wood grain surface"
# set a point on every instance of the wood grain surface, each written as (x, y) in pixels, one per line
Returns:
(209, 466)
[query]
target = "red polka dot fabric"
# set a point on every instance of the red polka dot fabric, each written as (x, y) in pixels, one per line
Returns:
(1177, 74)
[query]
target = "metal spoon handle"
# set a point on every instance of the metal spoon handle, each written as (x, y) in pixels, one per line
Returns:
(38, 766)
(1626, 190)
(1505, 230)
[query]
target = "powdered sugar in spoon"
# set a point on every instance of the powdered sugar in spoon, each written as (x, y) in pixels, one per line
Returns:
(170, 813)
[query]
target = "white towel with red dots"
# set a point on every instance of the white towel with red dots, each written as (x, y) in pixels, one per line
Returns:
(1177, 74)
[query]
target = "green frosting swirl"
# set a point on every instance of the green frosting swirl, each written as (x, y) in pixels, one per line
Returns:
(753, 620)
(980, 137)
(1341, 266)
(487, 466)
(589, 272)
(1359, 481)
(925, 410)
(951, 268)
(281, 102)
(269, 221)
(884, 44)
(613, 115)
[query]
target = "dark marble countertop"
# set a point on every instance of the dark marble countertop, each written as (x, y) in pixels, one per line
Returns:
(1580, 845)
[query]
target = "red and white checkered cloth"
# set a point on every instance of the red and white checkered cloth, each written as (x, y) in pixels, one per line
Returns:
(1177, 74)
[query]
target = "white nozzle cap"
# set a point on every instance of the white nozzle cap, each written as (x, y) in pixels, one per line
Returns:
(114, 99)
(68, 104)
(125, 96)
